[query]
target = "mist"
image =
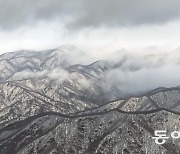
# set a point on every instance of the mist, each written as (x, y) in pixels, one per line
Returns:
(140, 73)
(130, 72)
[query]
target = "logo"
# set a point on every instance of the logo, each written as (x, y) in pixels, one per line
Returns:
(161, 137)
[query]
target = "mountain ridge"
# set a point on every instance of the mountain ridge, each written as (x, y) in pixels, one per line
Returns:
(49, 105)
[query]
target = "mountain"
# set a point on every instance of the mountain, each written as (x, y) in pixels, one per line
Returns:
(50, 104)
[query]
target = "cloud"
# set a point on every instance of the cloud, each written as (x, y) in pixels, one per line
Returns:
(29, 74)
(58, 74)
(87, 13)
(19, 12)
(139, 74)
(120, 13)
(91, 25)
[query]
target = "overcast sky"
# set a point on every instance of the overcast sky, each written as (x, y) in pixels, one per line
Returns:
(91, 25)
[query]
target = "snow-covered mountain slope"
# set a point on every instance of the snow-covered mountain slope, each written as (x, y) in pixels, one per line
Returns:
(50, 104)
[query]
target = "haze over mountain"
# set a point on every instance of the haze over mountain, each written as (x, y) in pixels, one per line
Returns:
(130, 72)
